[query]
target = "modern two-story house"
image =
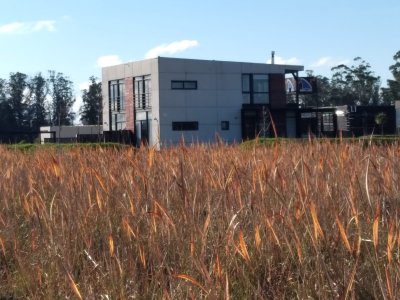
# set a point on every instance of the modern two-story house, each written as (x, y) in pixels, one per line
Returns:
(162, 100)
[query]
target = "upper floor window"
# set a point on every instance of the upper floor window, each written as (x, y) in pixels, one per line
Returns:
(116, 95)
(142, 92)
(255, 88)
(185, 126)
(184, 85)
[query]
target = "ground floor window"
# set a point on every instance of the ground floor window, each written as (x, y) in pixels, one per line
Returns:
(224, 125)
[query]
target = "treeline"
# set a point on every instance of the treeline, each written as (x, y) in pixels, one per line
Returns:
(355, 85)
(26, 103)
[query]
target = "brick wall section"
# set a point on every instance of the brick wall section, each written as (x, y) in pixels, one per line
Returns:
(277, 96)
(129, 105)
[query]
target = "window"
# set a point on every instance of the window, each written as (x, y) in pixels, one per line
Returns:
(327, 121)
(255, 88)
(224, 125)
(116, 90)
(185, 126)
(184, 85)
(142, 92)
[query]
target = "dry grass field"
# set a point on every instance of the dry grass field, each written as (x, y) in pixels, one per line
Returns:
(288, 221)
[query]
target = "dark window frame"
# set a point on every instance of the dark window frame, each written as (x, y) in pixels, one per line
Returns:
(184, 84)
(185, 126)
(251, 91)
(116, 91)
(224, 125)
(142, 92)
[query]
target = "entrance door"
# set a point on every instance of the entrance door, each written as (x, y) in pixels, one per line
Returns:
(144, 132)
(250, 124)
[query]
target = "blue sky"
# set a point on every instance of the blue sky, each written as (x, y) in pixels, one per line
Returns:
(77, 37)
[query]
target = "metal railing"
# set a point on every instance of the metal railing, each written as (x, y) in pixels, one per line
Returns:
(142, 101)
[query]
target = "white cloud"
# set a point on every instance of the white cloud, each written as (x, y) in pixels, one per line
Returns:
(11, 27)
(44, 25)
(329, 62)
(172, 48)
(28, 27)
(285, 61)
(108, 60)
(84, 85)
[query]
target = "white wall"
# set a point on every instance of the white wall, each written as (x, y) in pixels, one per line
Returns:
(218, 97)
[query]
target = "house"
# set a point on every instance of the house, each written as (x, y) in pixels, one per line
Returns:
(162, 100)
(70, 134)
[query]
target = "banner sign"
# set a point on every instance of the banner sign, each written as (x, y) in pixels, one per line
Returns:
(306, 85)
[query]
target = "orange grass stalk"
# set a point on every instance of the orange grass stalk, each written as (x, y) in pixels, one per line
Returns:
(389, 285)
(111, 245)
(191, 280)
(3, 248)
(343, 235)
(257, 237)
(74, 287)
(243, 248)
(391, 240)
(142, 256)
(317, 227)
(375, 227)
(273, 232)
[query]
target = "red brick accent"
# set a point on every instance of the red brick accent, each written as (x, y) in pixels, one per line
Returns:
(277, 96)
(129, 105)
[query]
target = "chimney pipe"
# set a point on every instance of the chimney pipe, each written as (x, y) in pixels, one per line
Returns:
(273, 57)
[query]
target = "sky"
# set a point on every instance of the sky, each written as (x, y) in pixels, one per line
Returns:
(77, 38)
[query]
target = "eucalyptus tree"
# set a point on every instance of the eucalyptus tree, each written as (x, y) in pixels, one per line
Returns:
(91, 110)
(392, 92)
(16, 98)
(355, 85)
(38, 90)
(62, 99)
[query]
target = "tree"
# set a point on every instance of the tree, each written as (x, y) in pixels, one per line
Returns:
(61, 92)
(355, 85)
(321, 97)
(3, 84)
(5, 109)
(37, 102)
(392, 92)
(91, 110)
(16, 88)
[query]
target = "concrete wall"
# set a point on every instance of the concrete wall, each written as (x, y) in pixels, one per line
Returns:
(126, 72)
(218, 97)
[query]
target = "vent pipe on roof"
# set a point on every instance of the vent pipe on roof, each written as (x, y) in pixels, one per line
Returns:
(273, 57)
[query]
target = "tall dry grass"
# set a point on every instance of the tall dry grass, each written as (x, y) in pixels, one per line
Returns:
(291, 221)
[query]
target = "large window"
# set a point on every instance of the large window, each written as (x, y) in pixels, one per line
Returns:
(184, 85)
(116, 95)
(185, 126)
(142, 92)
(255, 88)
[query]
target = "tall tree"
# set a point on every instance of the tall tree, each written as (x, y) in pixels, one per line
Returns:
(392, 92)
(5, 109)
(16, 88)
(322, 97)
(91, 110)
(61, 92)
(38, 114)
(355, 85)
(3, 84)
